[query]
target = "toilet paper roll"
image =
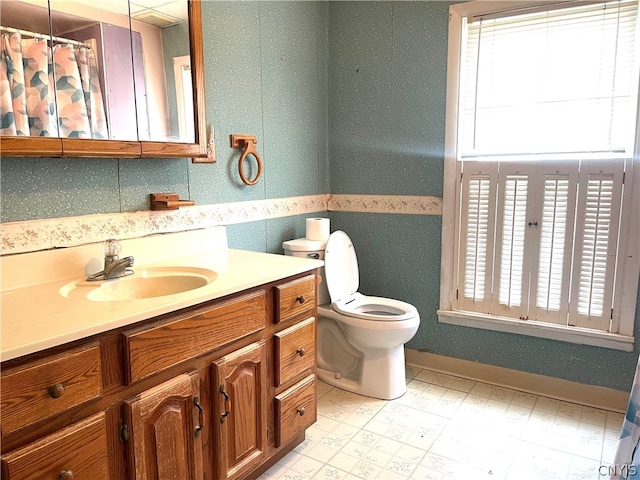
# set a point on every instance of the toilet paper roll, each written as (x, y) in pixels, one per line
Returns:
(318, 229)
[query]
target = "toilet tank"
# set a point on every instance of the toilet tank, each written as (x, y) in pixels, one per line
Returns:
(302, 247)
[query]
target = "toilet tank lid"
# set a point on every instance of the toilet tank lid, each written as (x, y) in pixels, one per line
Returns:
(303, 245)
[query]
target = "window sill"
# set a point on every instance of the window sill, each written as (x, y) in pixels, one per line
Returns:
(581, 336)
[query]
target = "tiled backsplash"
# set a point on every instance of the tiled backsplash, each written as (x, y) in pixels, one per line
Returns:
(30, 236)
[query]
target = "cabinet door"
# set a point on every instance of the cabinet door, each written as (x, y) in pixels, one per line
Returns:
(241, 408)
(164, 426)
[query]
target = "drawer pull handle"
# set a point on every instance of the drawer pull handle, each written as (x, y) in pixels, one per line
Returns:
(300, 411)
(300, 351)
(301, 299)
(198, 428)
(65, 475)
(227, 404)
(56, 392)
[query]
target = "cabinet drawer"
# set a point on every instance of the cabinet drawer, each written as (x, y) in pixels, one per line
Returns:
(295, 410)
(295, 350)
(77, 452)
(295, 297)
(151, 349)
(47, 387)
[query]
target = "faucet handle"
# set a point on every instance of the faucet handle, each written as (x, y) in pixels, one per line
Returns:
(112, 248)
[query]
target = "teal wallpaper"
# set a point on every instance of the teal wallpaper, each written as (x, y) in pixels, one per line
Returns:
(387, 91)
(344, 97)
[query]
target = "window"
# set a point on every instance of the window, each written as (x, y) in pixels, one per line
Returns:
(540, 236)
(184, 97)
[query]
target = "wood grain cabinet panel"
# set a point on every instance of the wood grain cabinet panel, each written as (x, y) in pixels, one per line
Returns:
(295, 297)
(46, 387)
(78, 452)
(165, 426)
(295, 350)
(151, 349)
(240, 393)
(295, 410)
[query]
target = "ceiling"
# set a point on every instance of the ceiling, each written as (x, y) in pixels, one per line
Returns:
(161, 13)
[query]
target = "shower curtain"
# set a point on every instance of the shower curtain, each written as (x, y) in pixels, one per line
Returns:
(626, 464)
(49, 92)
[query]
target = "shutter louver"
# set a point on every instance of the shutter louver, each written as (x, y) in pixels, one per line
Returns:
(476, 242)
(513, 232)
(552, 244)
(597, 230)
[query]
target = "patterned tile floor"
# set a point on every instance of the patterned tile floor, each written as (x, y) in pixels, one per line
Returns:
(447, 427)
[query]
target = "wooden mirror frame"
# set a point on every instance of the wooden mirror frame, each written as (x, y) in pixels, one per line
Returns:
(199, 151)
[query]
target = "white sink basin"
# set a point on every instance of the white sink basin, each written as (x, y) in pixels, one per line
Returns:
(144, 283)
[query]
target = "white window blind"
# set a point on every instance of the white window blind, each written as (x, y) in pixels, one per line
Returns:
(550, 82)
(546, 123)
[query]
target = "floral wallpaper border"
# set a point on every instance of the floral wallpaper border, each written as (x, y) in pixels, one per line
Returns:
(34, 235)
(402, 204)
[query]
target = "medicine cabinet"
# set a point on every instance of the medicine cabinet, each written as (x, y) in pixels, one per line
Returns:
(123, 81)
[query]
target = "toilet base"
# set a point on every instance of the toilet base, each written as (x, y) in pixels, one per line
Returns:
(382, 376)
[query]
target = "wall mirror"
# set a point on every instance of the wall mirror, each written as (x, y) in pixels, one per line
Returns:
(124, 80)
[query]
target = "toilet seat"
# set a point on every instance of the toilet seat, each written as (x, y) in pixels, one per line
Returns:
(375, 308)
(343, 278)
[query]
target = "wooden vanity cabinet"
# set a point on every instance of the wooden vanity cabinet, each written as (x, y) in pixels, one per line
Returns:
(219, 390)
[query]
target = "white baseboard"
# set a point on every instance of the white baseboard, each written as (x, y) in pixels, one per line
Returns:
(589, 395)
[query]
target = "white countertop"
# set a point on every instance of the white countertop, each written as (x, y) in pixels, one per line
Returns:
(37, 316)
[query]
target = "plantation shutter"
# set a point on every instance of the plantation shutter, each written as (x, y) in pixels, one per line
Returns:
(513, 245)
(477, 235)
(557, 190)
(596, 242)
(532, 235)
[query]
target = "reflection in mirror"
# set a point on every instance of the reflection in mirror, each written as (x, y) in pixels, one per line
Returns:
(184, 98)
(108, 90)
(160, 34)
(92, 59)
(171, 116)
(27, 104)
(68, 87)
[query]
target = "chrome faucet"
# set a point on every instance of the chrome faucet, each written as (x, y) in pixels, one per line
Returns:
(114, 266)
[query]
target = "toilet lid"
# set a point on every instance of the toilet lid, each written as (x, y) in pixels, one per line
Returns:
(340, 266)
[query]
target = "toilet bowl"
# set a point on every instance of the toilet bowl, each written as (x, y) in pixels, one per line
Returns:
(360, 338)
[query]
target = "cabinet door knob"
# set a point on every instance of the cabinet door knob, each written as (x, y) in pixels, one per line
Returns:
(300, 351)
(56, 391)
(65, 475)
(301, 299)
(300, 411)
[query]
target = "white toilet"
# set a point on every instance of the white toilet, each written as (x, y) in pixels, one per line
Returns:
(360, 338)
